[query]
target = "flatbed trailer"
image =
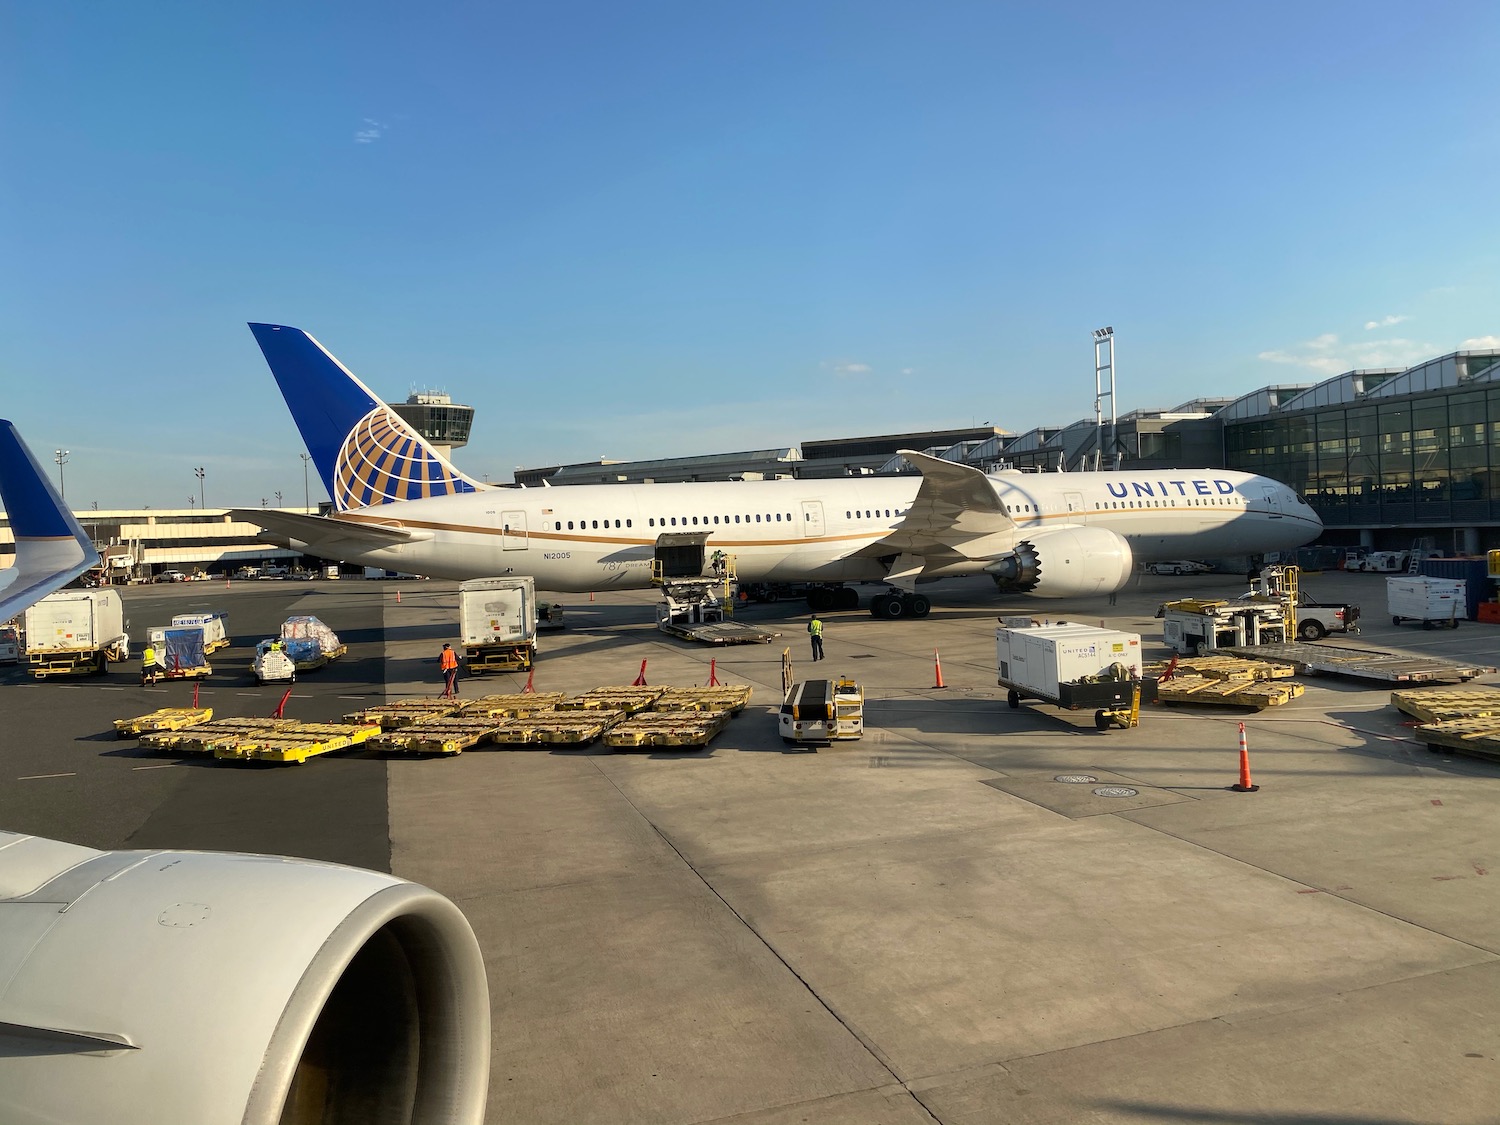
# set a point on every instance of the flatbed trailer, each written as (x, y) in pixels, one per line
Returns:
(508, 657)
(722, 633)
(1365, 663)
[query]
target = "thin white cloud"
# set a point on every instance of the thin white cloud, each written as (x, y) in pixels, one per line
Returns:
(371, 133)
(1327, 354)
(845, 368)
(1477, 342)
(1385, 321)
(908, 371)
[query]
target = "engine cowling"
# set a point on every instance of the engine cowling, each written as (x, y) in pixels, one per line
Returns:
(229, 989)
(1068, 562)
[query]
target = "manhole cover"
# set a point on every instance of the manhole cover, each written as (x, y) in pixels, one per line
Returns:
(1116, 791)
(1075, 778)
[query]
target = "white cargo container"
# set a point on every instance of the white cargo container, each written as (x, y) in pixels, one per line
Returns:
(1432, 601)
(215, 628)
(75, 631)
(497, 624)
(1073, 666)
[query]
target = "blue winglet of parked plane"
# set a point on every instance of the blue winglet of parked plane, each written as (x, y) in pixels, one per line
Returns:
(51, 549)
(364, 452)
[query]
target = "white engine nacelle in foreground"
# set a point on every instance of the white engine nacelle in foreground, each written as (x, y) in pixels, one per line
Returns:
(1068, 562)
(150, 987)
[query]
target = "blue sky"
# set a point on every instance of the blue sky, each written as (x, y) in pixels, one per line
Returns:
(656, 229)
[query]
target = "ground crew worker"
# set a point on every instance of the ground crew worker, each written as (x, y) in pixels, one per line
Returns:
(718, 561)
(449, 664)
(815, 634)
(151, 665)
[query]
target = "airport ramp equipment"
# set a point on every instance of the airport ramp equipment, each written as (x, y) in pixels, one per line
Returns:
(1227, 692)
(294, 745)
(403, 712)
(510, 705)
(1434, 705)
(447, 735)
(1221, 667)
(201, 739)
(731, 698)
(723, 633)
(627, 699)
(667, 730)
(1476, 737)
(163, 719)
(1365, 663)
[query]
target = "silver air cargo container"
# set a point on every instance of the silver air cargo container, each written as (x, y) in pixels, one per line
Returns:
(497, 622)
(1075, 667)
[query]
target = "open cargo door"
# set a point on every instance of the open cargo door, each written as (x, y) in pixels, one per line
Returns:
(679, 554)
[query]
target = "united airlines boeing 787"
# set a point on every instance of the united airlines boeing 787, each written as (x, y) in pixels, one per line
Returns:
(399, 505)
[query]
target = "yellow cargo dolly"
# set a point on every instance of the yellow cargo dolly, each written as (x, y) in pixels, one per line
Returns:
(166, 718)
(667, 729)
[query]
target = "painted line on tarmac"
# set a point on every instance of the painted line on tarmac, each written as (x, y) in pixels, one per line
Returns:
(43, 776)
(111, 689)
(161, 766)
(158, 690)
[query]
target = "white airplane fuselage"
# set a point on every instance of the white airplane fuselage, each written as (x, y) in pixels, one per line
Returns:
(580, 538)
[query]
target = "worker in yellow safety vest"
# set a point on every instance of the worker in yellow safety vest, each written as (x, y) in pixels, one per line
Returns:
(151, 665)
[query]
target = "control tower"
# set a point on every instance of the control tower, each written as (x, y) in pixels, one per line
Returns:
(437, 418)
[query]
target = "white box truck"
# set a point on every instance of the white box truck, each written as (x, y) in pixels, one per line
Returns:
(73, 632)
(497, 624)
(1073, 666)
(1432, 601)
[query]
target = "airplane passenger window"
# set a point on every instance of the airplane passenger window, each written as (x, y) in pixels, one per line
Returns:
(778, 517)
(674, 521)
(557, 526)
(570, 525)
(627, 523)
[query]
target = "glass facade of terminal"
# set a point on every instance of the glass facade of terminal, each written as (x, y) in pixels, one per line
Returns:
(1426, 459)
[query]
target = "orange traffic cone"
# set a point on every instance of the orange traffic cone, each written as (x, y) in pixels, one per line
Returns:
(937, 663)
(1245, 785)
(398, 597)
(640, 680)
(713, 675)
(591, 595)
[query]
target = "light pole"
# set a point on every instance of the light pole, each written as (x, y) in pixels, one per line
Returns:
(306, 499)
(277, 494)
(198, 472)
(61, 457)
(1104, 360)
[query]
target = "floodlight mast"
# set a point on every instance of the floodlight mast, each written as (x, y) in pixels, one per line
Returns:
(1104, 360)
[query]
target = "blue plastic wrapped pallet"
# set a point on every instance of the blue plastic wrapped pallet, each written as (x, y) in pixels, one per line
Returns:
(1474, 573)
(184, 648)
(302, 649)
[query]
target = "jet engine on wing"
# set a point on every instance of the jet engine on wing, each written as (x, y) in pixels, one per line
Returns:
(154, 986)
(1065, 562)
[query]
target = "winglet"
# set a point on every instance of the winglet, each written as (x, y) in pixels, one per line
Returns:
(51, 549)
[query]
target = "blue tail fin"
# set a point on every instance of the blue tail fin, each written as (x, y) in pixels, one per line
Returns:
(363, 450)
(51, 549)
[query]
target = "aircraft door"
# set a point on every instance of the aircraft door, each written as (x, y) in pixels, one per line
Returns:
(1273, 503)
(812, 519)
(513, 531)
(1075, 501)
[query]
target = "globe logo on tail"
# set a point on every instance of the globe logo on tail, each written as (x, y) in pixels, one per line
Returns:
(384, 460)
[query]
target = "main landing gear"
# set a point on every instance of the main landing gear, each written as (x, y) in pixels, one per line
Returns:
(821, 599)
(899, 603)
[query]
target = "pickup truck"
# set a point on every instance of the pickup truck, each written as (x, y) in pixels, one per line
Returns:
(1315, 620)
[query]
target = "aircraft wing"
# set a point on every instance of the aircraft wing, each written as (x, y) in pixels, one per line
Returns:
(331, 538)
(51, 549)
(956, 515)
